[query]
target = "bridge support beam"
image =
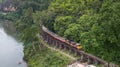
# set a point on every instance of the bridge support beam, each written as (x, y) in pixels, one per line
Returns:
(60, 43)
(70, 51)
(89, 61)
(83, 58)
(64, 47)
(96, 62)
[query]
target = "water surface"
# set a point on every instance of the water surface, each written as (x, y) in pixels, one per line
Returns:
(11, 51)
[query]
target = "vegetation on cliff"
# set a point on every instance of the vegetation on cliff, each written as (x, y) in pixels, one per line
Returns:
(27, 27)
(95, 24)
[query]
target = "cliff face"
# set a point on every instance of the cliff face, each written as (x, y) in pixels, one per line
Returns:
(7, 6)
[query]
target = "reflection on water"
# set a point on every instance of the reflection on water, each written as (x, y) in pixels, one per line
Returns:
(11, 51)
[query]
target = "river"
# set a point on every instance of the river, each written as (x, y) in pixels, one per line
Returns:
(11, 51)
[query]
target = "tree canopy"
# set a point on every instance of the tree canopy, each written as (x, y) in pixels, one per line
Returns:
(95, 24)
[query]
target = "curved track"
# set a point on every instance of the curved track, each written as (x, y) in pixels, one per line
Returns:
(62, 43)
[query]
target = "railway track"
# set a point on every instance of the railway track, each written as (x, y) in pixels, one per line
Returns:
(73, 47)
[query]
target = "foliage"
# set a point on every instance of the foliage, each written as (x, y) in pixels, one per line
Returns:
(61, 24)
(1, 1)
(93, 23)
(28, 25)
(72, 32)
(45, 57)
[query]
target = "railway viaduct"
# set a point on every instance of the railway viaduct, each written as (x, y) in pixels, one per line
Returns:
(62, 43)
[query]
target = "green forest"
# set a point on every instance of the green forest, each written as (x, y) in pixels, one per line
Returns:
(0, 1)
(95, 24)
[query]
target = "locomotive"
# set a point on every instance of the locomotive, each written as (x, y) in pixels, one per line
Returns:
(66, 41)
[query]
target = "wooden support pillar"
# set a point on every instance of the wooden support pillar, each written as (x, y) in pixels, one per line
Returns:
(54, 41)
(59, 46)
(82, 58)
(70, 50)
(51, 40)
(64, 47)
(46, 38)
(78, 54)
(75, 52)
(96, 62)
(67, 49)
(42, 34)
(56, 45)
(89, 61)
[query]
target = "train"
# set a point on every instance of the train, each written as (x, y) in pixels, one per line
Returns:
(64, 40)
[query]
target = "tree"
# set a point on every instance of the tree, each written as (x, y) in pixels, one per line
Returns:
(61, 24)
(25, 21)
(72, 32)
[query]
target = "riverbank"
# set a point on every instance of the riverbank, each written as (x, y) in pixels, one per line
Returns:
(42, 56)
(10, 28)
(11, 51)
(45, 56)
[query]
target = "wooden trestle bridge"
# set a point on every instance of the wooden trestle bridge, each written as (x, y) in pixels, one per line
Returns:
(62, 43)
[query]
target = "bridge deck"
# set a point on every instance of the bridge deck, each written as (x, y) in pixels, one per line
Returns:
(62, 43)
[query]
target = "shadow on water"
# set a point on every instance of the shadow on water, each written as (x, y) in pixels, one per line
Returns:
(11, 51)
